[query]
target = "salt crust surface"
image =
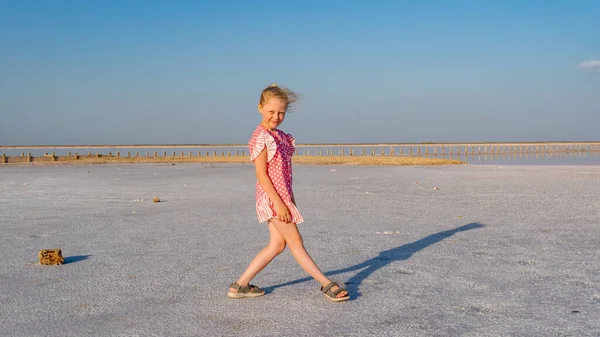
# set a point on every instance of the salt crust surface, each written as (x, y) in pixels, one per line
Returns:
(493, 251)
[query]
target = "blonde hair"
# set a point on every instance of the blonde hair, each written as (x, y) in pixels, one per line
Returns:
(277, 91)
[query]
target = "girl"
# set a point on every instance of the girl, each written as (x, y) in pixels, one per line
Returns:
(271, 151)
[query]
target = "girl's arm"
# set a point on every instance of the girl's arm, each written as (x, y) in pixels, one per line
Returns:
(260, 163)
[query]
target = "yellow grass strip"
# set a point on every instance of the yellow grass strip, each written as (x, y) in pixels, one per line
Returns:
(319, 160)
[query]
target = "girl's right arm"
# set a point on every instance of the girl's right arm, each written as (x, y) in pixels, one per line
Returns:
(260, 163)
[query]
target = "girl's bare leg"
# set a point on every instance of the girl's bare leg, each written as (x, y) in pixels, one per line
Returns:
(275, 247)
(293, 239)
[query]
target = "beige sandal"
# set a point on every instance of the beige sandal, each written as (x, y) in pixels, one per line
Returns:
(248, 291)
(332, 295)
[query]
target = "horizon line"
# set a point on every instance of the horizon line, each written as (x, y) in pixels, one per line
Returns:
(150, 145)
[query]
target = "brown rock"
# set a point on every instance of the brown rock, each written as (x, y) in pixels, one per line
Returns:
(51, 256)
(156, 199)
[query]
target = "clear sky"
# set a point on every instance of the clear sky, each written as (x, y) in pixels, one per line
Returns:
(138, 71)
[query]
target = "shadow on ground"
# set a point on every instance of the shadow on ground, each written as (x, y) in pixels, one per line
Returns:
(76, 258)
(384, 258)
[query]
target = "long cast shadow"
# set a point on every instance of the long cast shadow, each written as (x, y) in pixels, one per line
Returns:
(75, 258)
(384, 258)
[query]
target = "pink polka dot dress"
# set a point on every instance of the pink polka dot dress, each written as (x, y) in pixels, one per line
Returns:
(280, 147)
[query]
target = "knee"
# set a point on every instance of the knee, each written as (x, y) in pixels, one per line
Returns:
(295, 242)
(278, 246)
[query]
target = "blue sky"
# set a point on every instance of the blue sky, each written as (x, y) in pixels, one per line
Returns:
(135, 71)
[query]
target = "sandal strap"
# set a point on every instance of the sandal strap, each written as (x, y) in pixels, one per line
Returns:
(326, 288)
(245, 289)
(336, 292)
(253, 289)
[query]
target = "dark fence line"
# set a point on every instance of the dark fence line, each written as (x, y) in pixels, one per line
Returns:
(429, 150)
(360, 145)
(50, 157)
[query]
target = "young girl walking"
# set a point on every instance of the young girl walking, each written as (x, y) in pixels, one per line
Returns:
(271, 151)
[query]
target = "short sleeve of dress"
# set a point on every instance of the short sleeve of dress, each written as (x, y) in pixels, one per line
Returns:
(291, 142)
(260, 140)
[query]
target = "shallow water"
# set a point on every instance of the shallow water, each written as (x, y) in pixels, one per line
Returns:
(570, 158)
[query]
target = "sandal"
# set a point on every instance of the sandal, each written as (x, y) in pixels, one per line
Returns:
(332, 295)
(247, 291)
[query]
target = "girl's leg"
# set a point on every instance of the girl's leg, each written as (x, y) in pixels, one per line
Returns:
(276, 245)
(294, 241)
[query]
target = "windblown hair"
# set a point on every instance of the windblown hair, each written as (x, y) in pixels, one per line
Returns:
(277, 91)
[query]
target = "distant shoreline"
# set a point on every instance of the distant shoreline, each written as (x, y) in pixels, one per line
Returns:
(317, 160)
(116, 146)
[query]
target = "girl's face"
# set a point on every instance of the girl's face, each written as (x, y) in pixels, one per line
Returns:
(273, 112)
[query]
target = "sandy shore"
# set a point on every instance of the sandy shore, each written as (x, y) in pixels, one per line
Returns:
(452, 250)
